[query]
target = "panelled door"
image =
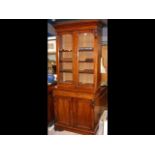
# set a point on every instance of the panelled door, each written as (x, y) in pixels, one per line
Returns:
(83, 113)
(63, 110)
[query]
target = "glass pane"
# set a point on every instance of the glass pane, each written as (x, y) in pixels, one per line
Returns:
(67, 42)
(86, 58)
(86, 41)
(66, 58)
(85, 78)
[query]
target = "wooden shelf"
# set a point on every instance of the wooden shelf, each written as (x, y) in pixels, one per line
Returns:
(65, 61)
(66, 70)
(86, 49)
(88, 71)
(66, 51)
(86, 60)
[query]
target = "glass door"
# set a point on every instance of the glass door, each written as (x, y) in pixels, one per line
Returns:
(66, 58)
(86, 58)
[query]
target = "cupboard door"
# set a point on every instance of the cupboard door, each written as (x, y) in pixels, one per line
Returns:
(63, 110)
(83, 113)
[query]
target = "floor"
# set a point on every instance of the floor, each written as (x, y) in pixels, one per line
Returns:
(51, 131)
(101, 131)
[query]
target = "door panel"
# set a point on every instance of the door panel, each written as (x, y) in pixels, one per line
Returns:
(66, 58)
(83, 113)
(62, 105)
(86, 59)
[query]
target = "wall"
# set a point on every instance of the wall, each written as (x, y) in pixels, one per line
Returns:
(51, 30)
(105, 35)
(104, 76)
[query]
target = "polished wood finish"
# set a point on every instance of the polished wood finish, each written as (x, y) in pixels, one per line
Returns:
(62, 110)
(79, 103)
(79, 112)
(83, 114)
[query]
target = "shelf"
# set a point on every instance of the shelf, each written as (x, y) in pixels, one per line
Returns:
(82, 51)
(65, 51)
(65, 61)
(66, 70)
(86, 49)
(87, 60)
(88, 71)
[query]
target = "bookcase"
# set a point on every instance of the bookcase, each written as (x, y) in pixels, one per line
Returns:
(78, 98)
